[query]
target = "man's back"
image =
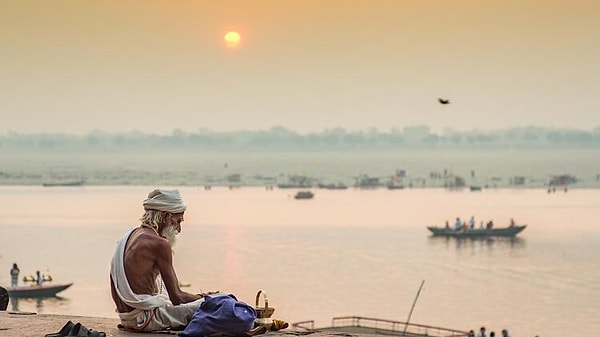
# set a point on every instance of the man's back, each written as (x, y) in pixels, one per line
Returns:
(141, 263)
(141, 253)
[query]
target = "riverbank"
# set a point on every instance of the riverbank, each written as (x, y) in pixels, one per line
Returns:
(425, 168)
(24, 324)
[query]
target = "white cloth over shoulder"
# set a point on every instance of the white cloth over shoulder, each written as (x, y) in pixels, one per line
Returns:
(152, 312)
(117, 273)
(165, 200)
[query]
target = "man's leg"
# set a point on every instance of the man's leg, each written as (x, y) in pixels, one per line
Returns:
(174, 317)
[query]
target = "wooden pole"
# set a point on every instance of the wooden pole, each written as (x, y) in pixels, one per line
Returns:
(412, 308)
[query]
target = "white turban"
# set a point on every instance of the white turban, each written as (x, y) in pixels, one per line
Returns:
(165, 200)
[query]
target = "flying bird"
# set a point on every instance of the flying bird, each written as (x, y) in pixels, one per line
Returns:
(444, 101)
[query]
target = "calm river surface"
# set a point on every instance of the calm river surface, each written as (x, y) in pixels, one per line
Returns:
(350, 252)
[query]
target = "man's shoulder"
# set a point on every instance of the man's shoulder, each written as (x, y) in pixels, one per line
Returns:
(149, 238)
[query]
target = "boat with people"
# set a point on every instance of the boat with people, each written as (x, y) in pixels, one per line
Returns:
(509, 231)
(36, 290)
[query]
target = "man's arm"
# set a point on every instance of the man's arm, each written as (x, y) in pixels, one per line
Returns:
(167, 272)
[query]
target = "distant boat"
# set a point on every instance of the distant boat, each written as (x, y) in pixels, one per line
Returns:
(475, 188)
(297, 181)
(332, 186)
(364, 181)
(476, 232)
(64, 183)
(44, 290)
(304, 195)
(394, 186)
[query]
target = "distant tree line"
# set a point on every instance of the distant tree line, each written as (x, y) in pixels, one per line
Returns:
(282, 139)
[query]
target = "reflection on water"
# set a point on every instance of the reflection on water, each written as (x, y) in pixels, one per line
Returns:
(26, 304)
(473, 242)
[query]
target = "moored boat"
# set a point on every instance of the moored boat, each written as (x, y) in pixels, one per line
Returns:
(332, 186)
(476, 232)
(44, 290)
(64, 183)
(356, 325)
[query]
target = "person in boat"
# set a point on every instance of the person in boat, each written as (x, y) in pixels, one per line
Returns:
(472, 222)
(481, 332)
(512, 222)
(39, 278)
(144, 285)
(489, 225)
(447, 225)
(457, 224)
(14, 275)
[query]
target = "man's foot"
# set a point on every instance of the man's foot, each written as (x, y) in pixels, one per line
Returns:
(256, 331)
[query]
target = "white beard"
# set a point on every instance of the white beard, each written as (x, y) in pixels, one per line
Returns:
(170, 234)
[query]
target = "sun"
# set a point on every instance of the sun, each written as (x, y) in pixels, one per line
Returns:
(232, 39)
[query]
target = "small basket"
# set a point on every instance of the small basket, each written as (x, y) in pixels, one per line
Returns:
(266, 311)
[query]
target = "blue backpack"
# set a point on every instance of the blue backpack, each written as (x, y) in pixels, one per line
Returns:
(222, 314)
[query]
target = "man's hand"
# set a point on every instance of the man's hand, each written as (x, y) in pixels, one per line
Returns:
(203, 294)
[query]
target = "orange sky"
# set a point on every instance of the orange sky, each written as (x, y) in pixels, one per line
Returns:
(75, 66)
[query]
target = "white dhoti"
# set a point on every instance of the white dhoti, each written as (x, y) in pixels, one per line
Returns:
(160, 318)
(151, 312)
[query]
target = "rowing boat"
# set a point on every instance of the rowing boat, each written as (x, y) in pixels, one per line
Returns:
(476, 232)
(44, 290)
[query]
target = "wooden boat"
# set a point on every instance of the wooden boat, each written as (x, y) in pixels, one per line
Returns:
(304, 195)
(34, 290)
(477, 232)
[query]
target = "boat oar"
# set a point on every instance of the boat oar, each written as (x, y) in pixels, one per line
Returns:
(412, 308)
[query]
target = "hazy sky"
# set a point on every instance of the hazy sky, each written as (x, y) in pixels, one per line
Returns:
(155, 65)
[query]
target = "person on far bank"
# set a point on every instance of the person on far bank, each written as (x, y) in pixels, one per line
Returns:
(14, 275)
(144, 285)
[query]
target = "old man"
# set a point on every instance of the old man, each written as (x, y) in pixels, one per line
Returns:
(143, 281)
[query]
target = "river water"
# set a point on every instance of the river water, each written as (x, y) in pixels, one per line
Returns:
(348, 252)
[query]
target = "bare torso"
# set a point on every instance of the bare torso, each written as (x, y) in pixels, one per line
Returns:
(146, 256)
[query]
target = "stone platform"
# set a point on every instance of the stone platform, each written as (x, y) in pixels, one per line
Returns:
(23, 324)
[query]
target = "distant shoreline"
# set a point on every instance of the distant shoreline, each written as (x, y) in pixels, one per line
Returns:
(401, 169)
